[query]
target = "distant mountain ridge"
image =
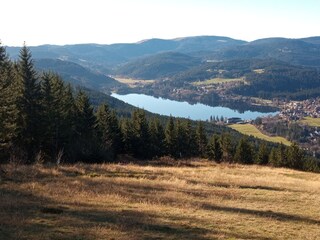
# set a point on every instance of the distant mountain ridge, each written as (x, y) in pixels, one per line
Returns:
(304, 51)
(96, 55)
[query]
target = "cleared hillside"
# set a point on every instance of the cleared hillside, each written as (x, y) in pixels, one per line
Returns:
(251, 130)
(195, 200)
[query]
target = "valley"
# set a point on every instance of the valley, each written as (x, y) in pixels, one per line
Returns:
(265, 75)
(151, 120)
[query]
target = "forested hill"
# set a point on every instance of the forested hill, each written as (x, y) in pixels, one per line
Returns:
(304, 52)
(266, 78)
(76, 74)
(43, 120)
(159, 66)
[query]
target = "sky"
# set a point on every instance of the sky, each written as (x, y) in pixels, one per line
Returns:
(61, 22)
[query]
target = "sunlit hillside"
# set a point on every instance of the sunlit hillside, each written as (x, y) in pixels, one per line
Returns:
(184, 200)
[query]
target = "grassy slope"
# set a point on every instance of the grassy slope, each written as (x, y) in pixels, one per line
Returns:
(198, 200)
(249, 129)
(133, 82)
(217, 80)
(314, 122)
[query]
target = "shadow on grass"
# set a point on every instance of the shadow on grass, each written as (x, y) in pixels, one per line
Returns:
(260, 213)
(34, 217)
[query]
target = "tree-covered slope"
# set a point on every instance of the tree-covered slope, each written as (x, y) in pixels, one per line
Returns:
(293, 51)
(76, 74)
(158, 66)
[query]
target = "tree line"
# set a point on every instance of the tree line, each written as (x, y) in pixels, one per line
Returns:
(44, 119)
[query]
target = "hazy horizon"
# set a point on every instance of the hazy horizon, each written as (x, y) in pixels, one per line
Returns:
(142, 40)
(123, 21)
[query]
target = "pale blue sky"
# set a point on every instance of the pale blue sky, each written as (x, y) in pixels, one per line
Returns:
(110, 21)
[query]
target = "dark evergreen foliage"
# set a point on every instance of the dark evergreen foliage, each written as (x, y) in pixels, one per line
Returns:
(214, 149)
(244, 152)
(201, 140)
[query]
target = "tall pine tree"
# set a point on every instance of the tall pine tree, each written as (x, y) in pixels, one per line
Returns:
(108, 131)
(8, 110)
(244, 152)
(214, 149)
(27, 140)
(171, 138)
(201, 139)
(86, 147)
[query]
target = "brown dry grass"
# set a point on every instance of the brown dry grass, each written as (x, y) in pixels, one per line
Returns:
(197, 200)
(133, 82)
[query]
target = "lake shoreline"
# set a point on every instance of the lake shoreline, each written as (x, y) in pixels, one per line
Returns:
(184, 109)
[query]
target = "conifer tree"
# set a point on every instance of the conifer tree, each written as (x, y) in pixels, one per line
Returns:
(281, 156)
(157, 138)
(8, 110)
(171, 138)
(141, 144)
(184, 133)
(85, 136)
(226, 146)
(191, 145)
(244, 152)
(56, 115)
(273, 159)
(263, 154)
(128, 136)
(108, 130)
(28, 107)
(295, 157)
(201, 139)
(214, 149)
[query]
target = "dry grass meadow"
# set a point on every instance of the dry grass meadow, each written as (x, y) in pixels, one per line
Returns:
(133, 82)
(185, 200)
(217, 81)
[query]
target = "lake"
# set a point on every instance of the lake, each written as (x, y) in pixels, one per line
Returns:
(184, 109)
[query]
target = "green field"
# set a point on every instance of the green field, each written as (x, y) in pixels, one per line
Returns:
(217, 80)
(170, 200)
(314, 122)
(251, 130)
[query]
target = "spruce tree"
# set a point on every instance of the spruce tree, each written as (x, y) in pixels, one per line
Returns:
(263, 154)
(86, 147)
(226, 146)
(191, 145)
(157, 138)
(128, 136)
(273, 159)
(171, 138)
(141, 144)
(244, 152)
(295, 157)
(201, 139)
(214, 149)
(27, 140)
(56, 115)
(109, 131)
(8, 110)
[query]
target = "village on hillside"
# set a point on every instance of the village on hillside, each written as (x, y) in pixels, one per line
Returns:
(297, 110)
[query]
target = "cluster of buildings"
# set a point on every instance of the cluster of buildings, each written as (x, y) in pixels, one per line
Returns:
(296, 110)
